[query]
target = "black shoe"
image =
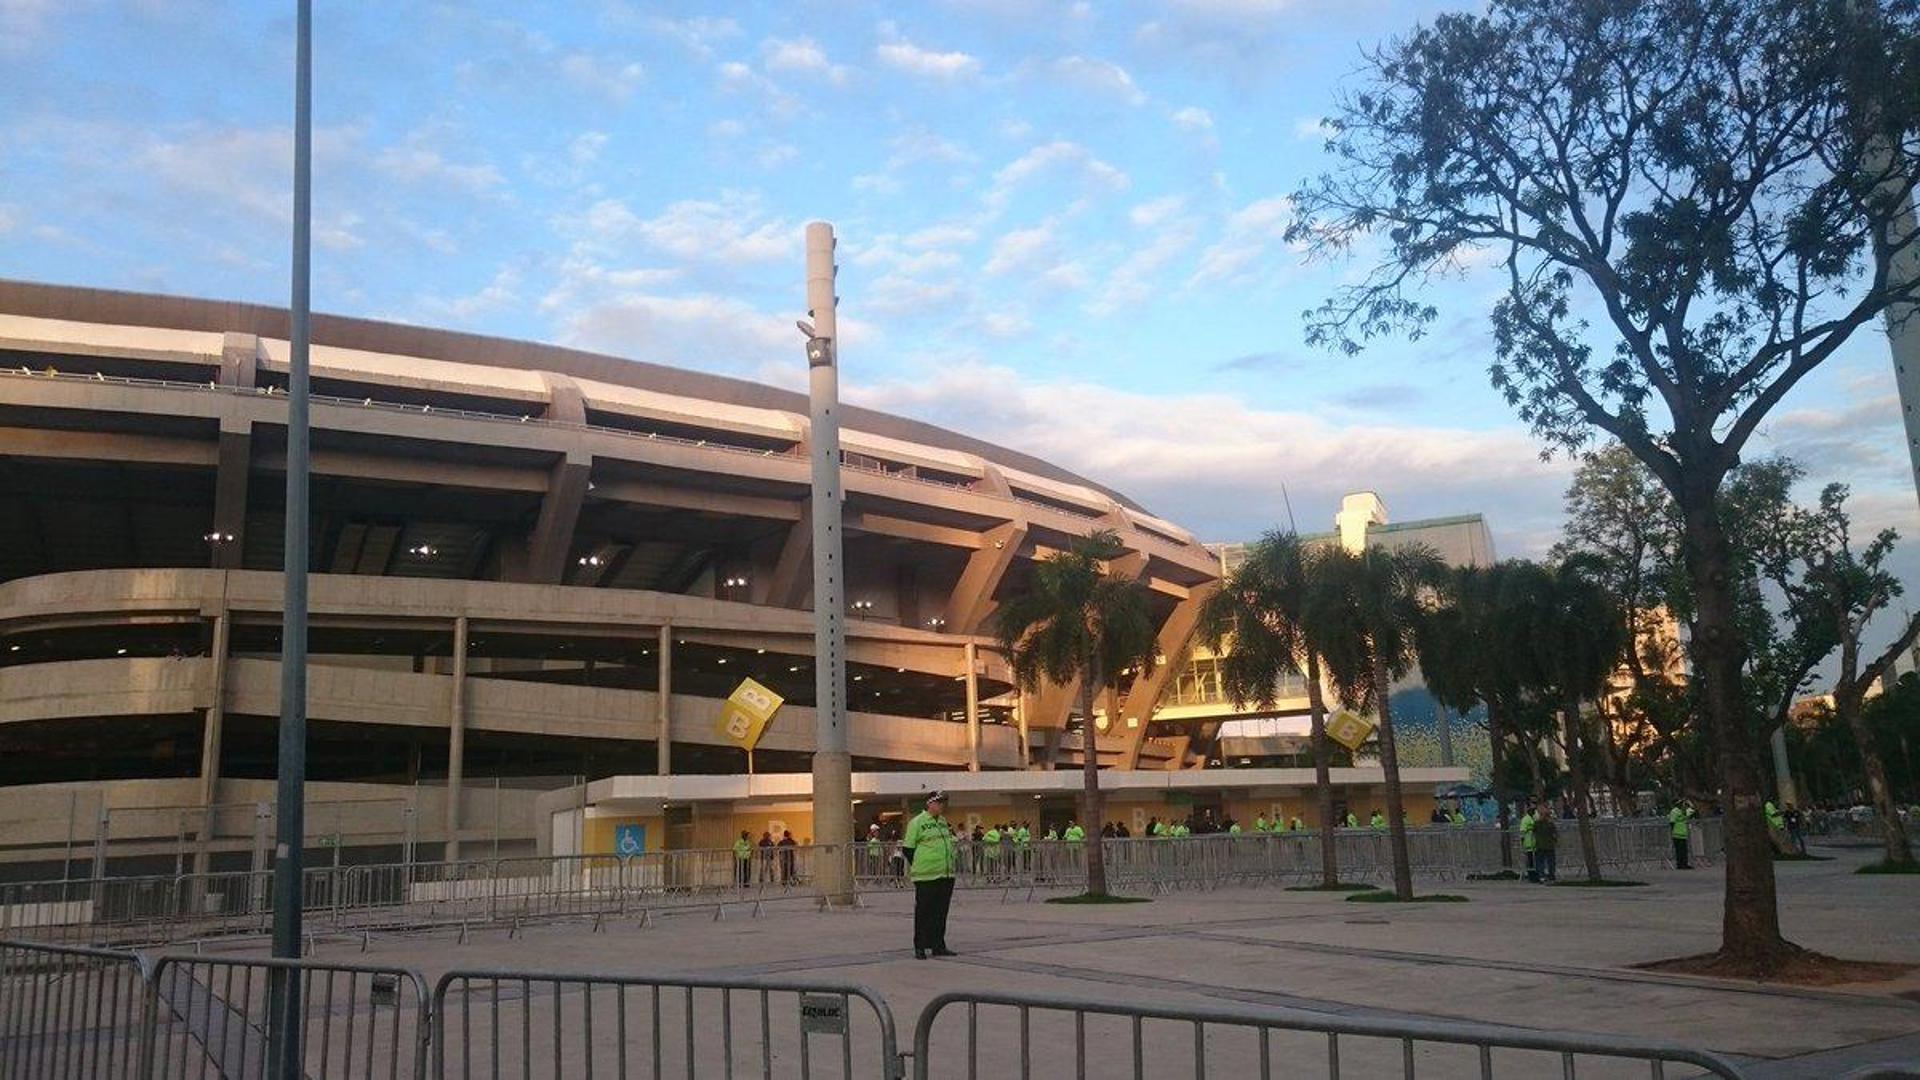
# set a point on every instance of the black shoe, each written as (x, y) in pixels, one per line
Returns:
(919, 954)
(945, 952)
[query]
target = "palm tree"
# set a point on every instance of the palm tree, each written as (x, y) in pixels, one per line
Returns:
(1078, 621)
(1260, 610)
(1466, 659)
(1570, 626)
(1361, 616)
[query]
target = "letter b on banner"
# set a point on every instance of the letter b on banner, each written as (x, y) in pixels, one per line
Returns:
(748, 711)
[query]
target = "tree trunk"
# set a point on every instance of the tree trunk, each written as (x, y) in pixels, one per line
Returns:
(1091, 812)
(1497, 737)
(1577, 779)
(1390, 766)
(1322, 774)
(1750, 916)
(1847, 702)
(1539, 778)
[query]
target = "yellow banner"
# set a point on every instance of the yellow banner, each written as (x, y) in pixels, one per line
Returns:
(1348, 730)
(748, 711)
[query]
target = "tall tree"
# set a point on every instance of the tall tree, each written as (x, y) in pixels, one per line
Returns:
(1078, 621)
(1573, 634)
(1719, 184)
(1258, 616)
(1466, 656)
(1847, 589)
(1362, 616)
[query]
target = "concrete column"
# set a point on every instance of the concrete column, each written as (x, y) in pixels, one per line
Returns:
(663, 701)
(456, 737)
(210, 738)
(233, 464)
(1020, 718)
(972, 653)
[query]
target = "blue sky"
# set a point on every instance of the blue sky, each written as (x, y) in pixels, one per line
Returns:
(1060, 222)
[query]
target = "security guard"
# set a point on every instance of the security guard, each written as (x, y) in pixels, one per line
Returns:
(1680, 817)
(1260, 823)
(931, 855)
(743, 860)
(1378, 822)
(1529, 843)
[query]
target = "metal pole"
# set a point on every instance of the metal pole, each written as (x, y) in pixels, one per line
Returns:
(663, 701)
(290, 819)
(832, 765)
(456, 739)
(972, 659)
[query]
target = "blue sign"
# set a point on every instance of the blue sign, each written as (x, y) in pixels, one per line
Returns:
(629, 840)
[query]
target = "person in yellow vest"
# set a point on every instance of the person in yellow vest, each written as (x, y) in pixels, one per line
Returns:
(1680, 818)
(1353, 821)
(931, 858)
(1233, 828)
(1378, 822)
(1075, 834)
(1529, 843)
(1052, 834)
(1260, 824)
(743, 859)
(990, 844)
(1023, 842)
(1180, 830)
(1455, 817)
(875, 855)
(1295, 825)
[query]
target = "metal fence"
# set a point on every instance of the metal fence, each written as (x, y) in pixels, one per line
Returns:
(70, 1012)
(208, 1017)
(495, 1024)
(1008, 1035)
(514, 891)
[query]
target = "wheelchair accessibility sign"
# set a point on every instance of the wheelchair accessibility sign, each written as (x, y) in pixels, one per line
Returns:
(629, 840)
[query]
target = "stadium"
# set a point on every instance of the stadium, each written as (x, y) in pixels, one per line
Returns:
(538, 573)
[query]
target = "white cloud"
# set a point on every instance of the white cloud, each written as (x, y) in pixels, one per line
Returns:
(1217, 465)
(497, 295)
(1170, 233)
(905, 56)
(876, 183)
(1192, 118)
(726, 129)
(9, 219)
(608, 78)
(732, 230)
(699, 35)
(1060, 156)
(1097, 76)
(418, 163)
(1312, 129)
(899, 295)
(801, 56)
(586, 146)
(739, 78)
(941, 236)
(1248, 235)
(21, 22)
(921, 146)
(775, 154)
(1036, 254)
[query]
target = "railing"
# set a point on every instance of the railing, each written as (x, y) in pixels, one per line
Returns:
(519, 1023)
(515, 891)
(68, 1011)
(209, 1017)
(72, 1012)
(1062, 1036)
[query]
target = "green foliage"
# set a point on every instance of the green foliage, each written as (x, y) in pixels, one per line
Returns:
(1366, 609)
(1077, 620)
(1908, 867)
(1828, 758)
(1338, 886)
(1260, 610)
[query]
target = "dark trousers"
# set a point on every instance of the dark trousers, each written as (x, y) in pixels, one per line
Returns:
(930, 902)
(1680, 853)
(1547, 861)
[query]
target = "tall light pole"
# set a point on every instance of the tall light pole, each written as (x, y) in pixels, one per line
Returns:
(290, 800)
(832, 765)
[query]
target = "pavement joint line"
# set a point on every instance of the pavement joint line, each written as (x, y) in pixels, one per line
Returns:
(1652, 978)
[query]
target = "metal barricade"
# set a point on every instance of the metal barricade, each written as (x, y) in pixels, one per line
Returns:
(207, 1016)
(494, 1024)
(70, 1011)
(1035, 1035)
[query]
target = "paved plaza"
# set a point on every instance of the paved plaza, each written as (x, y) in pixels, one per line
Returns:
(1517, 954)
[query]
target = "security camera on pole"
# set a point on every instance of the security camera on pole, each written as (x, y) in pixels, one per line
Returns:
(832, 765)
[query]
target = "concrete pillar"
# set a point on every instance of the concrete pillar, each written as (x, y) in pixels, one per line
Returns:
(211, 733)
(663, 701)
(226, 540)
(972, 654)
(456, 737)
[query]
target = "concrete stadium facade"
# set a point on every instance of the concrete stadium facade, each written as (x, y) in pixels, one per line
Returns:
(531, 564)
